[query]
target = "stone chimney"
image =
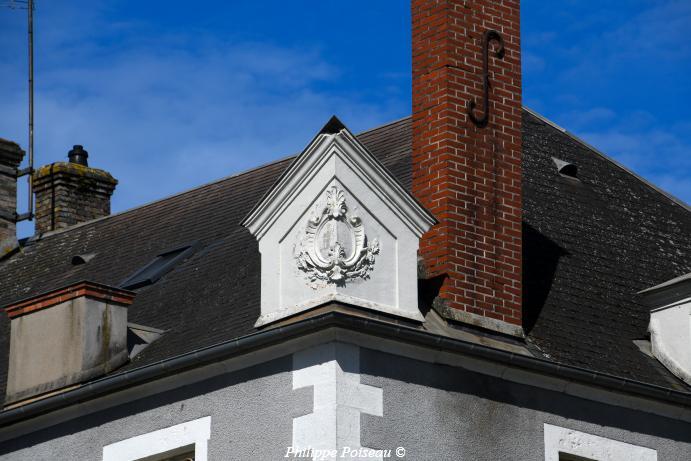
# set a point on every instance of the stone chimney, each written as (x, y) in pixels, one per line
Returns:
(68, 193)
(11, 156)
(65, 337)
(467, 170)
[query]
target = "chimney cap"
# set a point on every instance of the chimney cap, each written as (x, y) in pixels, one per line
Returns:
(78, 155)
(10, 153)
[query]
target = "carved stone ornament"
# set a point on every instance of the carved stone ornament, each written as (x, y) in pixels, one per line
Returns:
(334, 247)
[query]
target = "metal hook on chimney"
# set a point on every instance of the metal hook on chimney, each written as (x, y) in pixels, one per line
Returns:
(487, 37)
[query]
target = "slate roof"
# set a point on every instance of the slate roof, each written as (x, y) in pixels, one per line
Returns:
(589, 246)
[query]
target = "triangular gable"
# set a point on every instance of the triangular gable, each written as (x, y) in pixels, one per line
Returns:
(336, 133)
(337, 226)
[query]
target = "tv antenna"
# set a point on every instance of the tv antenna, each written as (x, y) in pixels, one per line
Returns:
(29, 6)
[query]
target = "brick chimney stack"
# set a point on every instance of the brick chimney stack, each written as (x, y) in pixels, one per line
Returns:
(68, 193)
(468, 174)
(11, 156)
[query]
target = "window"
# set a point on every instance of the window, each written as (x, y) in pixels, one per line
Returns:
(183, 442)
(158, 267)
(563, 444)
(568, 457)
(183, 454)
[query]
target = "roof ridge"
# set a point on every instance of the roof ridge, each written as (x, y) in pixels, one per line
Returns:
(187, 191)
(162, 199)
(657, 189)
(384, 125)
(544, 119)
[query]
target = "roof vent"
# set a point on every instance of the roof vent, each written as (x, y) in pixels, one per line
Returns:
(158, 267)
(139, 337)
(570, 170)
(78, 260)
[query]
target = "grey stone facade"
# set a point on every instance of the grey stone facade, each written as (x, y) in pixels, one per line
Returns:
(435, 412)
(251, 417)
(439, 412)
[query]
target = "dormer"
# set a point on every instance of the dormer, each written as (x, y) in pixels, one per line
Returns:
(670, 324)
(337, 226)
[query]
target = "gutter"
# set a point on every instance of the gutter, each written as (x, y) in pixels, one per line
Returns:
(266, 338)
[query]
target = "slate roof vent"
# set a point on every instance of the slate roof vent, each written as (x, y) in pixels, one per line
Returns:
(158, 267)
(139, 337)
(564, 168)
(78, 260)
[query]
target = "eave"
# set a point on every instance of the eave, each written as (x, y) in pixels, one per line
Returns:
(352, 323)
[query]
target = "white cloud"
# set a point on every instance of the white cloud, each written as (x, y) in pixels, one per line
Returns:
(657, 36)
(621, 71)
(164, 114)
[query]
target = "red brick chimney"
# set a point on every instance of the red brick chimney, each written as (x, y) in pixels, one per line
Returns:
(466, 172)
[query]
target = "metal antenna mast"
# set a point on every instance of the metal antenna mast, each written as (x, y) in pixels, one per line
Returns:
(29, 6)
(30, 10)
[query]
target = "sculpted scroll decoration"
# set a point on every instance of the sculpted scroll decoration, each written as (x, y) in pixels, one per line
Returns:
(334, 247)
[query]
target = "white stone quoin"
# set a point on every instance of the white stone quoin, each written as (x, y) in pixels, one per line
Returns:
(338, 227)
(333, 371)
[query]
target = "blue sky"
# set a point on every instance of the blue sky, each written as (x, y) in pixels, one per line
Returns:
(167, 95)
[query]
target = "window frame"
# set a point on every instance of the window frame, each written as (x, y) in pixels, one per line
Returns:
(561, 440)
(194, 433)
(136, 280)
